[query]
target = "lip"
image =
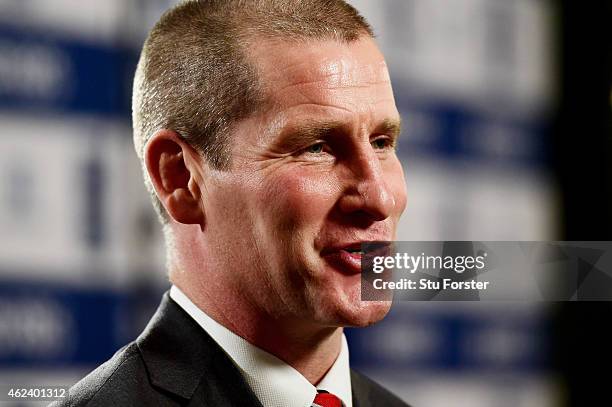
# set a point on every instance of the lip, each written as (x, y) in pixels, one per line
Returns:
(341, 258)
(345, 262)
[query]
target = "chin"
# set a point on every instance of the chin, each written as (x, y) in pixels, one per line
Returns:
(338, 303)
(360, 315)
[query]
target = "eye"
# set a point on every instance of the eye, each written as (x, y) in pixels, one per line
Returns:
(382, 143)
(315, 148)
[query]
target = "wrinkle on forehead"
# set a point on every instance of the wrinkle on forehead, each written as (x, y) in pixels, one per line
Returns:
(329, 64)
(336, 73)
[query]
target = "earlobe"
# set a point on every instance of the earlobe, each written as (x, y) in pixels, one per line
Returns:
(165, 159)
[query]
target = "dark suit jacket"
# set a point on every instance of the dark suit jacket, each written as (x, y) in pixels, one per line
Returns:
(174, 362)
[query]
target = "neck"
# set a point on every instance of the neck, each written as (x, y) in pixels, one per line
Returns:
(310, 351)
(308, 348)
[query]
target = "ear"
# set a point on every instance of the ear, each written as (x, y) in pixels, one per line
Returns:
(172, 167)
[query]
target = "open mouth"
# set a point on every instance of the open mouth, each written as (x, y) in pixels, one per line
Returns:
(354, 251)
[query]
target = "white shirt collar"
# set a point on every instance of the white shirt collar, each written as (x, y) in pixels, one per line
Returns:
(274, 382)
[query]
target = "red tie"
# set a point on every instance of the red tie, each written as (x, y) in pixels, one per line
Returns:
(325, 399)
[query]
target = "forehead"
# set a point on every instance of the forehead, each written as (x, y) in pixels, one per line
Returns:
(337, 63)
(325, 77)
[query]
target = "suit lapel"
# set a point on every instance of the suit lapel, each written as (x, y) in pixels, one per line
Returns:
(360, 390)
(181, 358)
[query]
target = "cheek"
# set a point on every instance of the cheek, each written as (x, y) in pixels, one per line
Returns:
(227, 204)
(298, 200)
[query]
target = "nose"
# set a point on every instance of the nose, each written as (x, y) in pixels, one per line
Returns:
(366, 191)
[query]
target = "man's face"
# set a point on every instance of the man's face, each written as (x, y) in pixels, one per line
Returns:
(313, 175)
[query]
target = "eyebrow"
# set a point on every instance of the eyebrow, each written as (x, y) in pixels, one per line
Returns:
(303, 134)
(391, 127)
